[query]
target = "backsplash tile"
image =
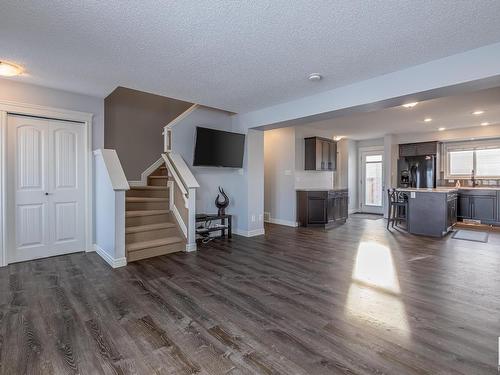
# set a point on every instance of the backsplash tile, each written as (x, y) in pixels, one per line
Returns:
(468, 182)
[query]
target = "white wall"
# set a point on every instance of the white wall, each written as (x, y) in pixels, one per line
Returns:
(110, 208)
(477, 132)
(32, 94)
(279, 175)
(352, 175)
(371, 142)
(239, 184)
(310, 179)
(254, 182)
(105, 209)
(470, 70)
(284, 171)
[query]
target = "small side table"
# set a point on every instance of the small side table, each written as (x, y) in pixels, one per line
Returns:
(207, 219)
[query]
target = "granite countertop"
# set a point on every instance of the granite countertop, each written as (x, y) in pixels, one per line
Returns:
(430, 190)
(479, 188)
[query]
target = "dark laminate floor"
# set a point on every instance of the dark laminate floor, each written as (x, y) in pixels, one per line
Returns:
(355, 299)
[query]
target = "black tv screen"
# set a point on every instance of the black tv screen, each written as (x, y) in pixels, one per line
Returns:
(217, 148)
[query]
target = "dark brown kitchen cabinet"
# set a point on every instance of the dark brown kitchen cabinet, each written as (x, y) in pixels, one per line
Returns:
(320, 154)
(323, 208)
(418, 149)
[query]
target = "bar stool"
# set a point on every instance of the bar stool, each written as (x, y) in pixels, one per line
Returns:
(398, 207)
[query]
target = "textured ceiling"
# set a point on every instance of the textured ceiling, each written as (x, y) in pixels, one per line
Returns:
(234, 55)
(451, 112)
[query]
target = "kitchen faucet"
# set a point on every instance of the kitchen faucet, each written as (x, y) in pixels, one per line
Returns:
(473, 178)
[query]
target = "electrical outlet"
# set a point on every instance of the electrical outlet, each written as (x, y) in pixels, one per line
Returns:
(253, 218)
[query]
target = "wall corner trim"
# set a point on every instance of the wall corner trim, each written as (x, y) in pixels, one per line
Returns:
(115, 263)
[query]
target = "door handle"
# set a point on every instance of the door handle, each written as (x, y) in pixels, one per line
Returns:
(46, 193)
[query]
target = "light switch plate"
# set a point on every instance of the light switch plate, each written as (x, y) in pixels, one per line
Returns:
(413, 194)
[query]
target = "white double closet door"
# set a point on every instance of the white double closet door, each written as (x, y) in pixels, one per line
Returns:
(45, 188)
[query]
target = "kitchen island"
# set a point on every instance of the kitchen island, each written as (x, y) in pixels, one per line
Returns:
(431, 212)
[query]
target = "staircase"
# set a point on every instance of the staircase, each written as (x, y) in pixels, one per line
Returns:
(151, 229)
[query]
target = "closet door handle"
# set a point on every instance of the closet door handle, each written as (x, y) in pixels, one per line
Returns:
(47, 193)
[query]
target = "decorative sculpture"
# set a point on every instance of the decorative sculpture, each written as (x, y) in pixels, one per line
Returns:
(222, 205)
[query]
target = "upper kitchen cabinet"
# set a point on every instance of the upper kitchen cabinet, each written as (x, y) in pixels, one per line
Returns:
(320, 154)
(418, 149)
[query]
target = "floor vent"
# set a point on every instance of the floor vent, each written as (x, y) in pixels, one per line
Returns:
(472, 221)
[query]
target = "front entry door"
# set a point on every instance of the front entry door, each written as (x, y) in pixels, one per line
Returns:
(372, 172)
(45, 188)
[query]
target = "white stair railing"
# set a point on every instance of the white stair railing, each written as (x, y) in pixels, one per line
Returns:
(183, 186)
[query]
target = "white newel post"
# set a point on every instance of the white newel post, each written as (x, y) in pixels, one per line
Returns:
(191, 237)
(110, 188)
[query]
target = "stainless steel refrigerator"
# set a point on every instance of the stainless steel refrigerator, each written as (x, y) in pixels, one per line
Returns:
(417, 172)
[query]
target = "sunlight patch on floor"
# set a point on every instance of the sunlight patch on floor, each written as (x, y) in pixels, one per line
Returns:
(373, 295)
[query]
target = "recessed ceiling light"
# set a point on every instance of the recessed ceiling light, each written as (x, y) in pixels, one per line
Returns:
(477, 113)
(410, 105)
(8, 69)
(441, 129)
(314, 77)
(428, 119)
(485, 123)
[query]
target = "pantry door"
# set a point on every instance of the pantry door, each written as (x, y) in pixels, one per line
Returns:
(45, 188)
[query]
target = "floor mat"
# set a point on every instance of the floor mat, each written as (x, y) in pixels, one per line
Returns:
(361, 215)
(470, 235)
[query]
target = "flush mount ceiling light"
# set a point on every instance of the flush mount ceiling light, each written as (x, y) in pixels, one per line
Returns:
(441, 129)
(485, 123)
(410, 105)
(8, 69)
(338, 138)
(478, 112)
(315, 77)
(428, 119)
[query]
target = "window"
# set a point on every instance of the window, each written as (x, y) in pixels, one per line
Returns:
(488, 162)
(481, 156)
(461, 163)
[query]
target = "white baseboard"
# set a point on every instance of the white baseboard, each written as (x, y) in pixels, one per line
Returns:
(115, 263)
(249, 233)
(144, 175)
(353, 210)
(287, 223)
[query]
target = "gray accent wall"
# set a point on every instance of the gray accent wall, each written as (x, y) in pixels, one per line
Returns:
(133, 126)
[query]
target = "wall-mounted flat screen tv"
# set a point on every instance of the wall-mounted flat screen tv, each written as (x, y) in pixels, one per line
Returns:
(217, 148)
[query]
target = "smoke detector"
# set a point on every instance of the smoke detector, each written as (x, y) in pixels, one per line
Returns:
(314, 77)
